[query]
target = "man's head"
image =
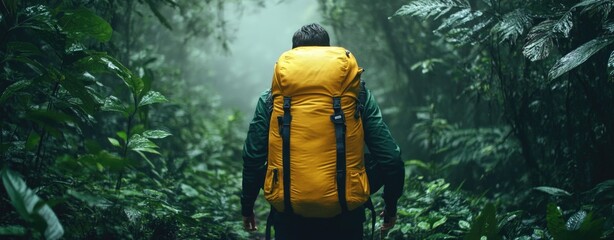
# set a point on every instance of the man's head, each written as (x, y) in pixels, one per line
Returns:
(310, 35)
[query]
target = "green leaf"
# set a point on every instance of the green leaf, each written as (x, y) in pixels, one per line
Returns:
(30, 207)
(14, 230)
(77, 88)
(98, 62)
(440, 222)
(114, 142)
(555, 223)
(156, 134)
(113, 104)
(33, 141)
(140, 143)
(152, 97)
(82, 24)
(188, 190)
(578, 56)
(91, 200)
(557, 192)
(104, 159)
(14, 88)
(24, 48)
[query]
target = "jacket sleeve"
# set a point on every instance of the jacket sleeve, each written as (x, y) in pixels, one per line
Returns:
(255, 153)
(385, 152)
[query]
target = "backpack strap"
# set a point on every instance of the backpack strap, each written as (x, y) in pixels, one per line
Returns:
(362, 99)
(285, 136)
(338, 119)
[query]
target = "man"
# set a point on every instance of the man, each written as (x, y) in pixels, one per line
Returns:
(377, 137)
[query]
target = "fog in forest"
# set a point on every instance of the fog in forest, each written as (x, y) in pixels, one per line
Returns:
(258, 37)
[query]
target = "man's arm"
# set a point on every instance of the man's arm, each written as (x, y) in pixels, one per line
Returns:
(385, 152)
(255, 153)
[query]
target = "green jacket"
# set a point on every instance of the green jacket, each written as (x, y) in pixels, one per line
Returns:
(379, 142)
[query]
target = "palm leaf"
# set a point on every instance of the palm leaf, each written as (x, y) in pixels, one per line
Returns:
(579, 56)
(428, 8)
(602, 7)
(513, 25)
(540, 38)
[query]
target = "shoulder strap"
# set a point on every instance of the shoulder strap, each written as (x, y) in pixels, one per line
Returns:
(362, 99)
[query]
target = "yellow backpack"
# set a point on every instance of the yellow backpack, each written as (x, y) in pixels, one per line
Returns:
(315, 155)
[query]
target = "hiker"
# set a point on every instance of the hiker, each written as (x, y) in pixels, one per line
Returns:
(305, 146)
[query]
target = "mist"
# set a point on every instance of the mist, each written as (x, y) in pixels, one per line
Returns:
(259, 35)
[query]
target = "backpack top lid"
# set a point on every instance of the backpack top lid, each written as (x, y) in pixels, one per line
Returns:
(316, 69)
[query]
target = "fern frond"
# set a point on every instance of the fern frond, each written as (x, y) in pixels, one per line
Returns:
(428, 8)
(579, 56)
(513, 25)
(540, 37)
(611, 63)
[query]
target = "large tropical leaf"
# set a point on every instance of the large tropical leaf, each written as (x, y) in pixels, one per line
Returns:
(579, 56)
(30, 207)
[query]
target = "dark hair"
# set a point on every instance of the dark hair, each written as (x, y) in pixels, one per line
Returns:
(310, 35)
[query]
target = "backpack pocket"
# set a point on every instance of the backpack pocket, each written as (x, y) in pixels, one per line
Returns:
(272, 186)
(358, 188)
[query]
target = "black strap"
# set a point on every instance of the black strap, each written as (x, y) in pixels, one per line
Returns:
(362, 99)
(369, 205)
(285, 136)
(338, 119)
(269, 222)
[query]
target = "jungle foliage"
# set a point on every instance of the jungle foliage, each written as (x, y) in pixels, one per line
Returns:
(101, 138)
(502, 109)
(508, 101)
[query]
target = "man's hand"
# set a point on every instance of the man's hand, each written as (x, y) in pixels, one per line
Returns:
(249, 223)
(389, 222)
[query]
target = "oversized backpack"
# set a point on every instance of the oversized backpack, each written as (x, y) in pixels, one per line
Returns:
(316, 140)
